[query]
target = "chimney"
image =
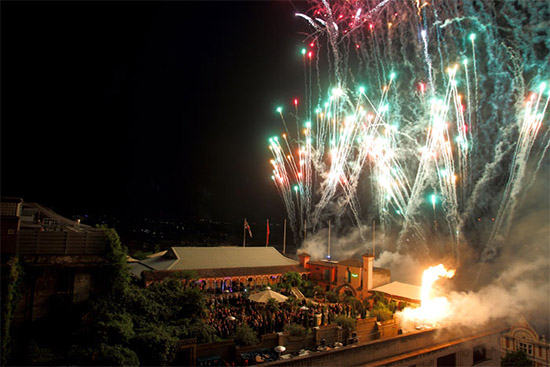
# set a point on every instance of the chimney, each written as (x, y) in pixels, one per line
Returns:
(368, 261)
(304, 259)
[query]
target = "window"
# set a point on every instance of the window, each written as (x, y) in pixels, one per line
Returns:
(327, 275)
(447, 361)
(526, 347)
(480, 354)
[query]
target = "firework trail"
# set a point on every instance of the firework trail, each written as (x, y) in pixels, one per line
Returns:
(401, 117)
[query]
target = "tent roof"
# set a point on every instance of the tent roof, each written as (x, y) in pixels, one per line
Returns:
(402, 290)
(204, 258)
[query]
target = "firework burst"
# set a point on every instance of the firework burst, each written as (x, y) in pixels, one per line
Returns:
(441, 115)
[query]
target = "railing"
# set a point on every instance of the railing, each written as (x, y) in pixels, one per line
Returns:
(34, 242)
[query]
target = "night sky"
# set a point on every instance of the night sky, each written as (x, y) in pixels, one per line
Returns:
(147, 109)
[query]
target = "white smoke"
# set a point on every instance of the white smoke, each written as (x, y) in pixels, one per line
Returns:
(343, 246)
(404, 268)
(516, 293)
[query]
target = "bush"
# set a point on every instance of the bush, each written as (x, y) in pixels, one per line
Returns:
(36, 356)
(80, 355)
(515, 359)
(202, 331)
(116, 355)
(155, 346)
(296, 330)
(331, 297)
(244, 335)
(347, 323)
(381, 312)
(118, 330)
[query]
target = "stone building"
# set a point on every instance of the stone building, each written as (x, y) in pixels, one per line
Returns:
(220, 269)
(353, 276)
(62, 259)
(523, 336)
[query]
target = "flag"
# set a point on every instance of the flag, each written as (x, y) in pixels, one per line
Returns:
(267, 236)
(246, 226)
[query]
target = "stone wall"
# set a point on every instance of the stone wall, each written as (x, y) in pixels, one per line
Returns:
(366, 330)
(226, 350)
(380, 278)
(422, 346)
(387, 329)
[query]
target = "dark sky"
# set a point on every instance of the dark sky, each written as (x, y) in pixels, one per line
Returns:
(146, 109)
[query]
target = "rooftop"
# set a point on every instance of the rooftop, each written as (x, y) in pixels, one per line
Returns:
(402, 290)
(356, 263)
(216, 258)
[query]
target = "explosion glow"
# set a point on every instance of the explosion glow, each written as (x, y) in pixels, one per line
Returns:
(414, 109)
(434, 308)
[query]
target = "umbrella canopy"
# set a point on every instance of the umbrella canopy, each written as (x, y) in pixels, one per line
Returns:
(264, 296)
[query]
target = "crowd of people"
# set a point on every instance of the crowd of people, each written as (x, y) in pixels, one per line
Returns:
(226, 313)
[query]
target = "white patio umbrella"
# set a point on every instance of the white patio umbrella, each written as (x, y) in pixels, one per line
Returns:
(264, 296)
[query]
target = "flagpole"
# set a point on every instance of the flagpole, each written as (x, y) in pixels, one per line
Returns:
(284, 238)
(267, 235)
(329, 239)
(244, 233)
(373, 237)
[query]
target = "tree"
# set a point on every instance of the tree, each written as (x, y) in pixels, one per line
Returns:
(116, 355)
(11, 293)
(155, 346)
(272, 306)
(244, 335)
(292, 279)
(308, 288)
(515, 359)
(116, 256)
(119, 329)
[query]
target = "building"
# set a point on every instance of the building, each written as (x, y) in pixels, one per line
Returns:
(435, 347)
(353, 276)
(220, 269)
(62, 259)
(523, 336)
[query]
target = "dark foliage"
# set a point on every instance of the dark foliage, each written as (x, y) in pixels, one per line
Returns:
(515, 359)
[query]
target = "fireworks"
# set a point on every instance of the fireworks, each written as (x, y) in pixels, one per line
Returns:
(438, 119)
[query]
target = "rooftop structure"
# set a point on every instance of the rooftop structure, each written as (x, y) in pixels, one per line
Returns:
(32, 229)
(353, 276)
(219, 268)
(401, 291)
(64, 259)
